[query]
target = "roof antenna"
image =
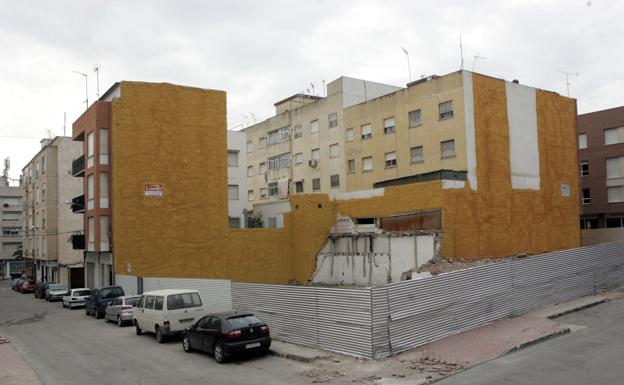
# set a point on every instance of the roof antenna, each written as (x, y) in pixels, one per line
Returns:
(461, 53)
(86, 88)
(409, 69)
(312, 85)
(567, 75)
(96, 69)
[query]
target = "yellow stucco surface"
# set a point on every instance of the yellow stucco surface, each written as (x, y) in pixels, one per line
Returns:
(176, 136)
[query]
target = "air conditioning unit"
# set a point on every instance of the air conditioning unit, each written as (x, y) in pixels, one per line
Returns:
(313, 163)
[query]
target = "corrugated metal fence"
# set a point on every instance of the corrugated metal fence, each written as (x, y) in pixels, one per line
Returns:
(377, 322)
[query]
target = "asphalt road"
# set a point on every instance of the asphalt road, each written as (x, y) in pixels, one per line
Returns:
(591, 354)
(66, 347)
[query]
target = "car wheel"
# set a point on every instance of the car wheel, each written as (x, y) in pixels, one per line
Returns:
(138, 329)
(97, 313)
(186, 344)
(219, 354)
(106, 320)
(70, 306)
(119, 321)
(159, 336)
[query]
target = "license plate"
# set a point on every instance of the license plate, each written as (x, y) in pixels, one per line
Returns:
(254, 345)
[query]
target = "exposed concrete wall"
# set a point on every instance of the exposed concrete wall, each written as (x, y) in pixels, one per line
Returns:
(596, 236)
(236, 141)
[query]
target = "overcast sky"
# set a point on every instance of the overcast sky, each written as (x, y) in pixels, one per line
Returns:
(262, 51)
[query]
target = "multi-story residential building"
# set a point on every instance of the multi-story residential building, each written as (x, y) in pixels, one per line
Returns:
(237, 178)
(601, 168)
(47, 185)
(301, 148)
(11, 226)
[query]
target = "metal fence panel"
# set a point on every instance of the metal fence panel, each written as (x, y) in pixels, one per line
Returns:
(215, 293)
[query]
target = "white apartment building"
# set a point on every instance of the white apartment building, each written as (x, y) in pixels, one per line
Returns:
(301, 148)
(49, 224)
(11, 226)
(237, 178)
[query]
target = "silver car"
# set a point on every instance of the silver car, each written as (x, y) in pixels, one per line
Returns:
(55, 291)
(120, 310)
(76, 297)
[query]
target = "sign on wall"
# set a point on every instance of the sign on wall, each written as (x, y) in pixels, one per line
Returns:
(153, 190)
(565, 190)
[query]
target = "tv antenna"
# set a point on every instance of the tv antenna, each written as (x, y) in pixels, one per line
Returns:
(86, 88)
(474, 60)
(461, 53)
(312, 86)
(409, 69)
(96, 69)
(567, 75)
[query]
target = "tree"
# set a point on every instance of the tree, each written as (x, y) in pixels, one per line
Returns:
(255, 221)
(17, 254)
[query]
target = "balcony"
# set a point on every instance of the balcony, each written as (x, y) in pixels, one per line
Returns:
(78, 166)
(78, 204)
(78, 241)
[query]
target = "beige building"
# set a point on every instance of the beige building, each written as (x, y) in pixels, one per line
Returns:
(301, 148)
(48, 220)
(11, 226)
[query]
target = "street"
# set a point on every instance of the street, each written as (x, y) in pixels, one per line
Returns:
(66, 347)
(591, 354)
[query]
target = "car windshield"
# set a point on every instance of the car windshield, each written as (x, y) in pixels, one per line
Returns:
(239, 322)
(183, 301)
(111, 292)
(57, 286)
(132, 301)
(81, 293)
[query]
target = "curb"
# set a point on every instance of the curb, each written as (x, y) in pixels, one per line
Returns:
(293, 357)
(582, 307)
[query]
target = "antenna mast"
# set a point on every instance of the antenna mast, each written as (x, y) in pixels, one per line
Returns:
(461, 53)
(86, 88)
(567, 75)
(96, 69)
(409, 69)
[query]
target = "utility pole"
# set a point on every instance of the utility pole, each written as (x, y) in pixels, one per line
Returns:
(409, 69)
(567, 75)
(86, 88)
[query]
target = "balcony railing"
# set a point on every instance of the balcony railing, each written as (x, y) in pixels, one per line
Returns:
(78, 166)
(78, 204)
(78, 241)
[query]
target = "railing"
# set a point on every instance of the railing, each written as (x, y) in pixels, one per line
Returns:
(78, 166)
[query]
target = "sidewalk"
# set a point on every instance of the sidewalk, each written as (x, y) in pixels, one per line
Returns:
(13, 368)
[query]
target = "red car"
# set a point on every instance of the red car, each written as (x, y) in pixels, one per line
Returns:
(28, 286)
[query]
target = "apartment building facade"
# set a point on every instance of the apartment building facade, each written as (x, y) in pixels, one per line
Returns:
(11, 227)
(47, 185)
(301, 149)
(237, 179)
(601, 168)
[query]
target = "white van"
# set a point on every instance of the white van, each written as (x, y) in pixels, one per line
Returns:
(167, 312)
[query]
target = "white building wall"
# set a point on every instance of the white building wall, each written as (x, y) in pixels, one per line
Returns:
(237, 141)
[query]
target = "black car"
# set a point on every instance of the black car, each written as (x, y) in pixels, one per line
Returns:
(226, 335)
(100, 298)
(41, 289)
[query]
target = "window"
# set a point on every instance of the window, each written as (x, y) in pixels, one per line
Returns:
(615, 194)
(103, 146)
(273, 189)
(158, 304)
(103, 190)
(389, 127)
(414, 118)
(262, 142)
(234, 222)
(250, 195)
(262, 167)
(183, 301)
(279, 161)
(351, 165)
(314, 126)
(104, 233)
(272, 222)
(390, 159)
(582, 141)
(333, 150)
(447, 148)
(90, 193)
(615, 167)
(263, 193)
(584, 168)
(316, 184)
(90, 150)
(334, 181)
(297, 132)
(586, 196)
(615, 222)
(446, 110)
(299, 159)
(614, 135)
(367, 163)
(37, 169)
(250, 171)
(232, 192)
(332, 119)
(91, 234)
(43, 165)
(299, 187)
(315, 154)
(349, 134)
(232, 158)
(279, 135)
(367, 131)
(417, 154)
(43, 192)
(250, 146)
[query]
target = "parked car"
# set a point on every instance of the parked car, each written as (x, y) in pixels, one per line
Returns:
(100, 298)
(227, 334)
(120, 310)
(76, 297)
(167, 312)
(55, 292)
(15, 283)
(27, 286)
(41, 289)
